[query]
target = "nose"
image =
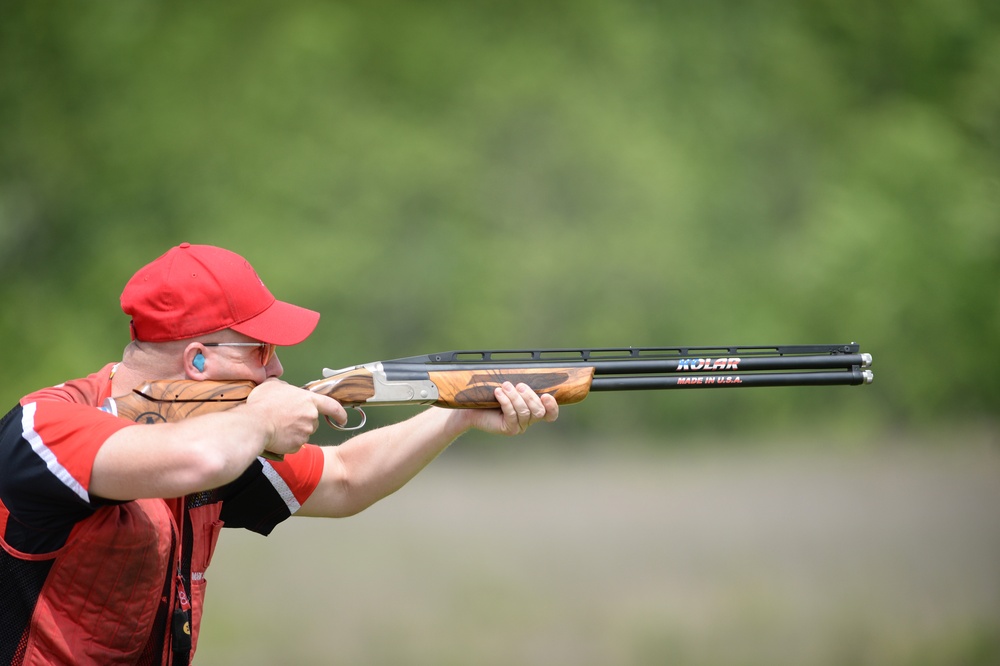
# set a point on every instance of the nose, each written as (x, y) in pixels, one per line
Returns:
(274, 367)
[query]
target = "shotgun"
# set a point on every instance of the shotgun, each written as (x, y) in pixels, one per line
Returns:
(467, 379)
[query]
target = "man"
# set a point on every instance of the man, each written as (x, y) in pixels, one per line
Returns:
(107, 527)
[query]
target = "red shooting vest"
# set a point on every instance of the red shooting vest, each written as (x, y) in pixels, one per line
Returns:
(128, 585)
(118, 571)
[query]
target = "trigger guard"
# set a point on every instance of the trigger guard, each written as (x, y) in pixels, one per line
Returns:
(364, 420)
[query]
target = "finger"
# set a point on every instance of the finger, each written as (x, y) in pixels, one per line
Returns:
(503, 399)
(533, 401)
(519, 397)
(327, 406)
(551, 407)
(506, 395)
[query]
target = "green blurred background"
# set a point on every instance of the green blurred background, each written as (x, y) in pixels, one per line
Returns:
(447, 175)
(441, 175)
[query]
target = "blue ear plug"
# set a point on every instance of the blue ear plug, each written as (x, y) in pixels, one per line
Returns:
(198, 362)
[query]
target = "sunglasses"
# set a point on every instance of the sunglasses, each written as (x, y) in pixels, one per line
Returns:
(265, 349)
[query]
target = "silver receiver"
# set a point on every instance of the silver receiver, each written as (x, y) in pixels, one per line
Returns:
(405, 392)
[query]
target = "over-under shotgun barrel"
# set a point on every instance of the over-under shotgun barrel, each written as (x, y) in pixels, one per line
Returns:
(652, 368)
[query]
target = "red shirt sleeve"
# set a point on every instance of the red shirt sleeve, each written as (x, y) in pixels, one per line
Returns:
(299, 473)
(67, 436)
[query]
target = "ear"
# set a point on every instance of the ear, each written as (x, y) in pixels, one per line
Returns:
(194, 361)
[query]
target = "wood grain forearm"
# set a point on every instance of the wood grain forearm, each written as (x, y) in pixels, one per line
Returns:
(473, 389)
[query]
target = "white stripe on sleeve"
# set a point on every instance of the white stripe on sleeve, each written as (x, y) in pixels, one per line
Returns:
(279, 484)
(45, 453)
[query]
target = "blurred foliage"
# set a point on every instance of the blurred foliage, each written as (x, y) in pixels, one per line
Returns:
(458, 175)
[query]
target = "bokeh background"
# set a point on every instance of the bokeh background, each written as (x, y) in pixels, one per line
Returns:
(442, 175)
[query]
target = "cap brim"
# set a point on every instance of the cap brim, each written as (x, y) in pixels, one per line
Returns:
(281, 324)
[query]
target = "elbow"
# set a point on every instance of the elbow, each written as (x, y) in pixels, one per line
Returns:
(340, 494)
(346, 495)
(347, 512)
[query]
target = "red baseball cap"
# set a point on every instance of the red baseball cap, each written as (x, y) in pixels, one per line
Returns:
(193, 290)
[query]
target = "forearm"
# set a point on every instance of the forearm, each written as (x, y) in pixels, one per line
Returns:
(377, 463)
(208, 451)
(175, 459)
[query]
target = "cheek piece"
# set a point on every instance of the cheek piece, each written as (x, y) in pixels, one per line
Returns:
(198, 362)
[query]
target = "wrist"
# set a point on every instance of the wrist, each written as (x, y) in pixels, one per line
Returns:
(260, 430)
(454, 422)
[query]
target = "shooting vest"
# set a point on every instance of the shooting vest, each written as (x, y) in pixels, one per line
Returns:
(85, 580)
(127, 588)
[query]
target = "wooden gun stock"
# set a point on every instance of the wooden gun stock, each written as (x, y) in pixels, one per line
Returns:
(167, 400)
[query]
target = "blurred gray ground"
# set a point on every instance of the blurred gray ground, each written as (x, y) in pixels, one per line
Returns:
(887, 554)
